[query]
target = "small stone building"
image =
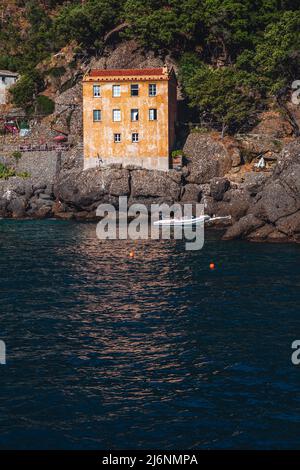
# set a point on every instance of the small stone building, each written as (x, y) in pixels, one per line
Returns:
(7, 79)
(129, 117)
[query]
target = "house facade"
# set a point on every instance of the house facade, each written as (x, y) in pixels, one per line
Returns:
(7, 79)
(129, 117)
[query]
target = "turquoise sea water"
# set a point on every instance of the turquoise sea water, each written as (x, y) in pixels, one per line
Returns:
(108, 352)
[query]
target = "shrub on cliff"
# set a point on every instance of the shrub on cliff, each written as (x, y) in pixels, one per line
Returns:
(26, 89)
(44, 105)
(16, 155)
(6, 172)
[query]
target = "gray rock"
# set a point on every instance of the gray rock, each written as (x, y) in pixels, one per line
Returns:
(43, 212)
(17, 207)
(39, 186)
(254, 145)
(254, 182)
(65, 215)
(277, 200)
(191, 193)
(289, 155)
(3, 207)
(205, 189)
(218, 188)
(41, 166)
(45, 196)
(19, 189)
(289, 225)
(210, 205)
(185, 171)
(119, 186)
(207, 158)
(236, 157)
(236, 169)
(49, 190)
(84, 189)
(243, 227)
(28, 190)
(176, 176)
(153, 184)
(48, 203)
(273, 202)
(238, 204)
(37, 192)
(260, 234)
(82, 215)
(277, 236)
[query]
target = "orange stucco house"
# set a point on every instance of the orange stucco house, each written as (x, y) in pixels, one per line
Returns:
(129, 117)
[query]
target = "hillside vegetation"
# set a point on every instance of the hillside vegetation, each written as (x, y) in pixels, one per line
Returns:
(233, 55)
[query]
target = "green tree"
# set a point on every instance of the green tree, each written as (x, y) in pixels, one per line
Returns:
(44, 105)
(228, 27)
(244, 51)
(277, 56)
(224, 96)
(88, 22)
(164, 24)
(39, 43)
(26, 89)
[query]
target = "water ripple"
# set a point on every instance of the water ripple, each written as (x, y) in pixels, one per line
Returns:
(155, 351)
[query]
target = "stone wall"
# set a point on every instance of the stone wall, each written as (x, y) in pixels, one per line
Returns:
(41, 166)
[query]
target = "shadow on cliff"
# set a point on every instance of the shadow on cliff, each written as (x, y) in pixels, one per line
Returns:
(187, 117)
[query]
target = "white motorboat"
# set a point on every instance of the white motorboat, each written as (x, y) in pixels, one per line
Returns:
(184, 221)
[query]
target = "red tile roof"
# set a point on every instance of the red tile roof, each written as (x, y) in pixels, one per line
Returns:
(125, 72)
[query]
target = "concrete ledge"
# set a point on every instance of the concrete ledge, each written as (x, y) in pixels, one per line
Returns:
(148, 163)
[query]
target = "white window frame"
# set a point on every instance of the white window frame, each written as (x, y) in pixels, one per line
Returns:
(138, 89)
(134, 114)
(151, 93)
(98, 94)
(100, 115)
(114, 112)
(117, 138)
(118, 93)
(152, 114)
(135, 137)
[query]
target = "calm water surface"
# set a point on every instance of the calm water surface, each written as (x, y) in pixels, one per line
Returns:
(108, 352)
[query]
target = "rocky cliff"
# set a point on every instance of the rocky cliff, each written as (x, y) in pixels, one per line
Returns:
(264, 205)
(219, 173)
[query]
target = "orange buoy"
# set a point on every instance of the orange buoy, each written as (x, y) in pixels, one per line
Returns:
(212, 266)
